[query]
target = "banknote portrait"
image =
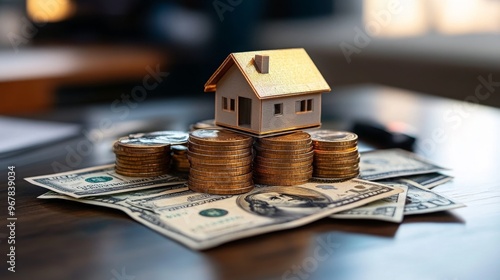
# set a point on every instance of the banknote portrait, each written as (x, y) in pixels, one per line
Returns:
(283, 202)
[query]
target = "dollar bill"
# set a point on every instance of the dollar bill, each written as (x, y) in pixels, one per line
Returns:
(388, 209)
(420, 200)
(99, 180)
(392, 163)
(202, 221)
(430, 180)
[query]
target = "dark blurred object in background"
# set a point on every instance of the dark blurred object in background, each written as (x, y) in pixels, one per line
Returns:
(197, 35)
(436, 47)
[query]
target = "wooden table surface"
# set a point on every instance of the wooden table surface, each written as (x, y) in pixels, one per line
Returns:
(67, 240)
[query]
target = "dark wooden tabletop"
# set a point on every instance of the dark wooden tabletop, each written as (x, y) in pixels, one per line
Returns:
(67, 240)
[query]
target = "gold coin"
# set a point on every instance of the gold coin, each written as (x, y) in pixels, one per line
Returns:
(143, 154)
(271, 182)
(281, 181)
(283, 171)
(339, 151)
(220, 177)
(142, 165)
(327, 159)
(337, 178)
(304, 157)
(218, 160)
(278, 161)
(215, 148)
(347, 160)
(296, 138)
(140, 174)
(282, 174)
(335, 155)
(333, 138)
(259, 177)
(219, 152)
(135, 149)
(283, 152)
(220, 156)
(320, 146)
(220, 166)
(146, 169)
(238, 170)
(213, 174)
(335, 174)
(141, 169)
(221, 191)
(283, 146)
(219, 137)
(140, 160)
(263, 164)
(337, 167)
(331, 180)
(218, 184)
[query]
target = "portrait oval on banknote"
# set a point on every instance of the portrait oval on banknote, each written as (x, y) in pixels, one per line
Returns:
(283, 202)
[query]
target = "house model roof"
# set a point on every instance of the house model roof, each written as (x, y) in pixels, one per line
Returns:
(291, 72)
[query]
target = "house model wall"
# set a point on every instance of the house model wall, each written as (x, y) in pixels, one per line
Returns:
(267, 92)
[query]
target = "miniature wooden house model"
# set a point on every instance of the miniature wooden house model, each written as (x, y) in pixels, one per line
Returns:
(267, 92)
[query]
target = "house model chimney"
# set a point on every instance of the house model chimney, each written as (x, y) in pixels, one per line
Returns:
(262, 63)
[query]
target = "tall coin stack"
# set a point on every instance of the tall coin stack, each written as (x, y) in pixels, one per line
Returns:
(336, 154)
(221, 162)
(146, 154)
(283, 160)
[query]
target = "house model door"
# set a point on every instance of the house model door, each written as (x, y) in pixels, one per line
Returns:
(244, 111)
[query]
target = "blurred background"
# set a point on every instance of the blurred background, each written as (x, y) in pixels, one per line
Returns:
(65, 53)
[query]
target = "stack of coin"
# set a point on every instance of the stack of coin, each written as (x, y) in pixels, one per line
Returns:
(336, 154)
(284, 160)
(180, 161)
(146, 154)
(221, 162)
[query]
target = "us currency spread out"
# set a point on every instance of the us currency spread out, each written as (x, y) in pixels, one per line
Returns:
(420, 200)
(100, 180)
(390, 209)
(393, 163)
(200, 221)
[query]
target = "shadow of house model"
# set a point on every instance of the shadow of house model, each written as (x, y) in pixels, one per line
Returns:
(267, 92)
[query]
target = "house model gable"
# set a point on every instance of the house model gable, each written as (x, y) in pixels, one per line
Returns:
(291, 71)
(268, 92)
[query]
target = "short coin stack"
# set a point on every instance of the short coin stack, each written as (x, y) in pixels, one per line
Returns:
(283, 160)
(180, 161)
(146, 154)
(221, 162)
(336, 154)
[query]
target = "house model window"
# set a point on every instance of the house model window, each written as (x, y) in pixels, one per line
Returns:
(278, 109)
(228, 104)
(303, 106)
